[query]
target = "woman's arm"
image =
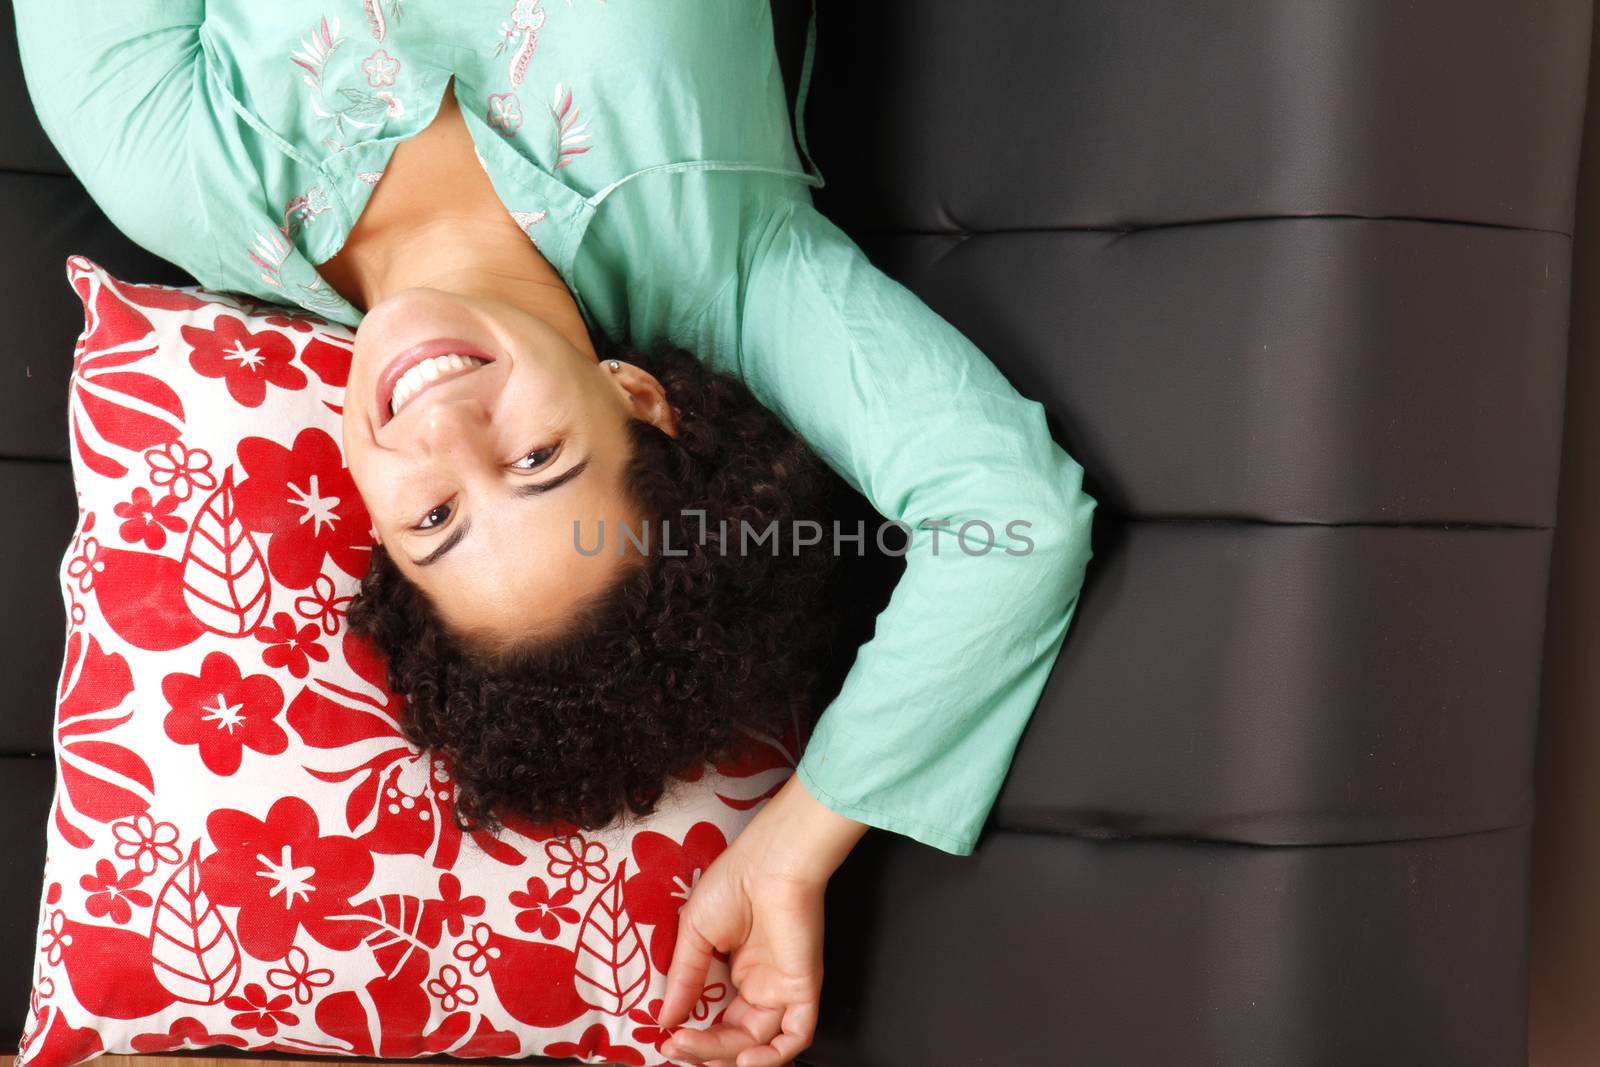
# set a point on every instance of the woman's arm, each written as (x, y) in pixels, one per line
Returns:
(919, 421)
(113, 82)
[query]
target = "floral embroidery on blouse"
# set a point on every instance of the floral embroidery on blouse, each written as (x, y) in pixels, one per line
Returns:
(527, 19)
(369, 176)
(318, 294)
(362, 108)
(303, 208)
(380, 68)
(570, 134)
(505, 113)
(377, 21)
(268, 252)
(528, 220)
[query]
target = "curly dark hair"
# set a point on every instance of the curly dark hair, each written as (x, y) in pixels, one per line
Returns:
(655, 675)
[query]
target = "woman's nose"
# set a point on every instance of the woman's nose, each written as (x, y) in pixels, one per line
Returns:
(454, 425)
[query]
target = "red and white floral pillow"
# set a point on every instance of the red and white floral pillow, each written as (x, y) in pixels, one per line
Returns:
(243, 849)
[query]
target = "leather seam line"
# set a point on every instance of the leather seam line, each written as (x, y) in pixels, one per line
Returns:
(1186, 839)
(1124, 231)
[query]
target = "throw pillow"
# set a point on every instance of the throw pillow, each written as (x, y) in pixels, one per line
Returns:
(243, 849)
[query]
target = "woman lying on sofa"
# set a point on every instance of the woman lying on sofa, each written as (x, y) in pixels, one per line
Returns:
(499, 195)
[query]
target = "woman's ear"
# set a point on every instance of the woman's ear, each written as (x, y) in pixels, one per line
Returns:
(644, 395)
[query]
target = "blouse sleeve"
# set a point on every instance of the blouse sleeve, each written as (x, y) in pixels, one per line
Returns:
(113, 82)
(919, 421)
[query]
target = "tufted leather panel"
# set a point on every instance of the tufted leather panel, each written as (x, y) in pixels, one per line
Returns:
(941, 115)
(1050, 950)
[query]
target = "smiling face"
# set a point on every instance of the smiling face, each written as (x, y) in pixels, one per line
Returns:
(475, 483)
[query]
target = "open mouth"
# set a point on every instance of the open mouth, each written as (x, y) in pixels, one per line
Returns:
(422, 365)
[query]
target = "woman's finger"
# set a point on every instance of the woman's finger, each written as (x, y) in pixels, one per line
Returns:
(799, 1027)
(760, 1023)
(716, 1042)
(686, 980)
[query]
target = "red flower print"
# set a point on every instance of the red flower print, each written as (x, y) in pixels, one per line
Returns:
(283, 875)
(666, 875)
(180, 469)
(306, 500)
(576, 860)
(594, 1044)
(477, 953)
(505, 112)
(288, 646)
(709, 995)
(451, 989)
(147, 520)
(247, 362)
(86, 564)
(113, 895)
(380, 68)
(224, 713)
(449, 912)
(650, 1031)
(322, 606)
(540, 913)
(258, 1012)
(298, 977)
(146, 842)
(54, 939)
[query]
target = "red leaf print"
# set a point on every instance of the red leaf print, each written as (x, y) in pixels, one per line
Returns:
(61, 1042)
(93, 685)
(196, 956)
(141, 597)
(99, 780)
(485, 1042)
(613, 972)
(111, 971)
(392, 927)
(110, 320)
(123, 409)
(106, 801)
(126, 420)
(225, 580)
(92, 681)
(551, 1001)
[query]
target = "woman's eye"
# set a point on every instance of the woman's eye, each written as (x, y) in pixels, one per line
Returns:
(535, 459)
(426, 525)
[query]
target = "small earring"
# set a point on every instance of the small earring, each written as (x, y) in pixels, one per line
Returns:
(615, 365)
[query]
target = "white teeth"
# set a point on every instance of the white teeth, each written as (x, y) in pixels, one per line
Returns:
(428, 371)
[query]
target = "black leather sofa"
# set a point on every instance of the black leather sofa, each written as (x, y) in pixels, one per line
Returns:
(1293, 279)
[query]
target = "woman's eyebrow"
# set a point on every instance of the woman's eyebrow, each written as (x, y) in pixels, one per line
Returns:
(449, 542)
(535, 488)
(522, 491)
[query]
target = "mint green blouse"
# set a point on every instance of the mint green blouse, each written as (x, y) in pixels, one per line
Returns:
(645, 147)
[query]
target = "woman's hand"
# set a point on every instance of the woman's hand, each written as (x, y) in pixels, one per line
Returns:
(760, 901)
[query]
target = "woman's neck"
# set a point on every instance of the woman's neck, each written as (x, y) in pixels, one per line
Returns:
(411, 234)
